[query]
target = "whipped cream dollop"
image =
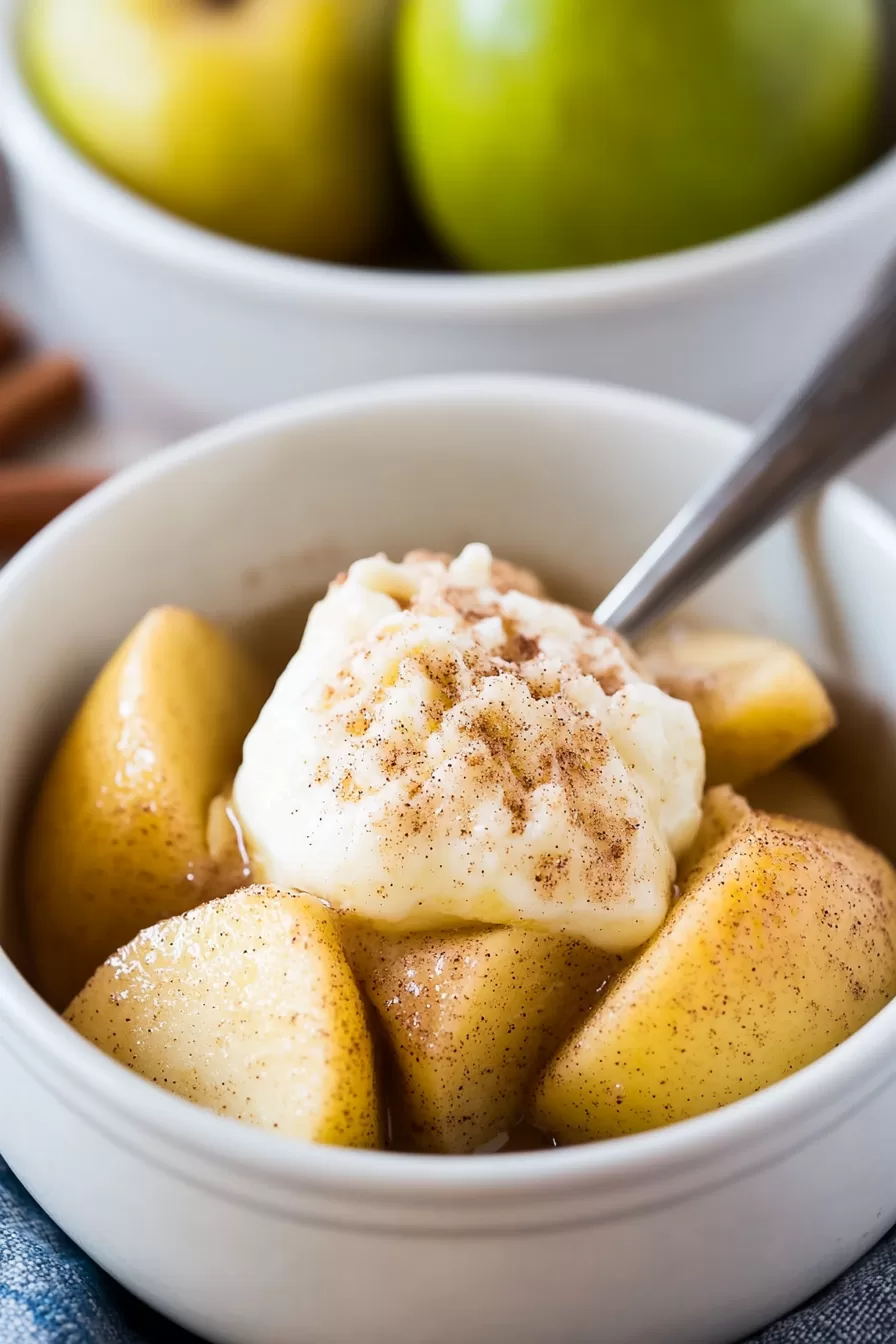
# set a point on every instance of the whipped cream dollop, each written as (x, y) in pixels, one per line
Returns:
(448, 745)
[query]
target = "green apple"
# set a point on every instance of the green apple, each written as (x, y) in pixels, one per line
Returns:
(268, 120)
(542, 133)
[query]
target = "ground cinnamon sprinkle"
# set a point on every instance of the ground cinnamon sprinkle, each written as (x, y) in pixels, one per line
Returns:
(496, 758)
(502, 744)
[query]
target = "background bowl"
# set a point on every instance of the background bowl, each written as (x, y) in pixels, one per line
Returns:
(696, 1233)
(194, 327)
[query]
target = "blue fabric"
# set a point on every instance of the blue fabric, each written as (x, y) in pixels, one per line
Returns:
(51, 1293)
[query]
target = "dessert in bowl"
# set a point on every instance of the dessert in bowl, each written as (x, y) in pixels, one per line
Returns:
(247, 1234)
(452, 754)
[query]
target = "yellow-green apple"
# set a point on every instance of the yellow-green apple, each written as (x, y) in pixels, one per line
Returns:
(268, 120)
(543, 133)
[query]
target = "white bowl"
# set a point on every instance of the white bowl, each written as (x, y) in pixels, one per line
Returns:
(196, 327)
(699, 1232)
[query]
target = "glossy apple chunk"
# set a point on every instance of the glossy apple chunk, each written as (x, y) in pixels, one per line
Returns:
(788, 792)
(757, 701)
(470, 1016)
(792, 792)
(723, 811)
(120, 835)
(246, 1006)
(782, 944)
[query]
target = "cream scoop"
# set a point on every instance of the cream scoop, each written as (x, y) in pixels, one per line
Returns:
(448, 745)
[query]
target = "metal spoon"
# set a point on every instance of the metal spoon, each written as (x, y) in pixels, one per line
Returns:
(842, 410)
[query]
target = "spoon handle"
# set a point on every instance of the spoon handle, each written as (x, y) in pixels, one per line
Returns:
(844, 408)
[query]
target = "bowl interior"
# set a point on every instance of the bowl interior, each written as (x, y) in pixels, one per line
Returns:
(248, 524)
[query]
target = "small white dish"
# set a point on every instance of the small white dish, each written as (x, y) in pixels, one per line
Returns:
(195, 327)
(695, 1234)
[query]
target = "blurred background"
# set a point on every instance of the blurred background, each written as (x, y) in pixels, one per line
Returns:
(209, 205)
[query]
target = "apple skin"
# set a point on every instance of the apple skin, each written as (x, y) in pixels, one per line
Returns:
(266, 120)
(550, 133)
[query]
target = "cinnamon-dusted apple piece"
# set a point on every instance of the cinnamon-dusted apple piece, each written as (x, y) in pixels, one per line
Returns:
(757, 701)
(120, 835)
(470, 1016)
(782, 944)
(246, 1006)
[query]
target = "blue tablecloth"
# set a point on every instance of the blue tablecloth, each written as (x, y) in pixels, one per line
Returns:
(51, 1293)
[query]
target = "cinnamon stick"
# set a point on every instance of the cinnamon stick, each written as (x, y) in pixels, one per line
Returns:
(32, 496)
(37, 394)
(11, 338)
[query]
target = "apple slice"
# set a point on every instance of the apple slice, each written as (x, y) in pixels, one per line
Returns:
(782, 944)
(470, 1017)
(723, 811)
(792, 792)
(757, 701)
(789, 792)
(246, 1006)
(120, 835)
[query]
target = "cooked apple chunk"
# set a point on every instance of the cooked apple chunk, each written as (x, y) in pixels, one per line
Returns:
(120, 834)
(723, 812)
(757, 701)
(470, 1017)
(247, 1006)
(792, 792)
(782, 944)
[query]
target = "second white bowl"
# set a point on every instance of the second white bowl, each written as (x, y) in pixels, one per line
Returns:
(198, 328)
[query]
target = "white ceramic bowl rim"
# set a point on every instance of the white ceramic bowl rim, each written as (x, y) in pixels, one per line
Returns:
(790, 1113)
(62, 173)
